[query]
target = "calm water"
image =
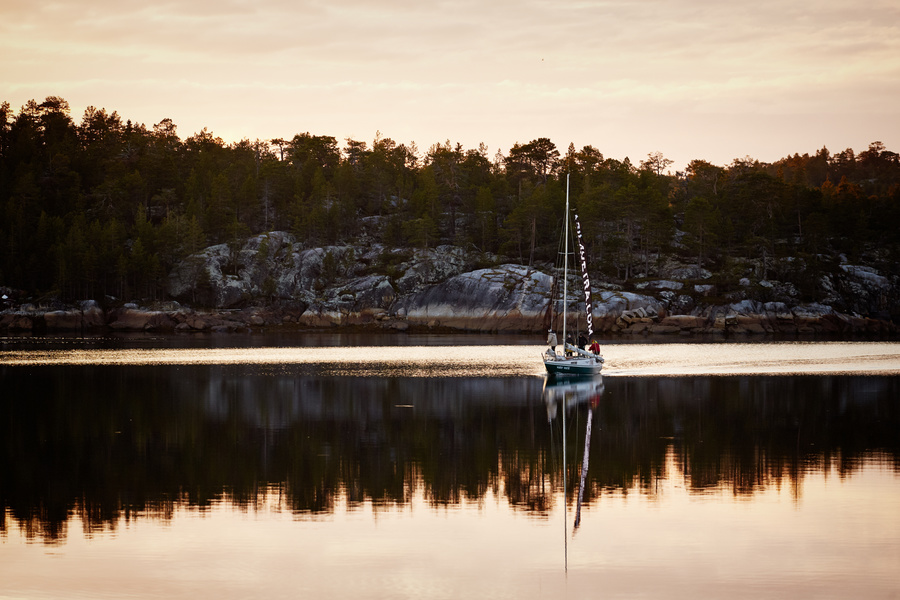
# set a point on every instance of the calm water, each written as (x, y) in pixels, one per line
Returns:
(446, 467)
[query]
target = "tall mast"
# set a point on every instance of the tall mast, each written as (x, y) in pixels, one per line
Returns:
(565, 307)
(565, 311)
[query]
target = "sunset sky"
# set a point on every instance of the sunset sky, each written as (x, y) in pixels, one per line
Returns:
(691, 78)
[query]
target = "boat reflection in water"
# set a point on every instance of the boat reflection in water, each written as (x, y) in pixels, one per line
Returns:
(571, 393)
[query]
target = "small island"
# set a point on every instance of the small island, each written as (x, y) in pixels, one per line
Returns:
(112, 225)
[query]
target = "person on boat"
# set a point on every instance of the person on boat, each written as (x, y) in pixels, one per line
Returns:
(551, 340)
(582, 341)
(595, 347)
(569, 342)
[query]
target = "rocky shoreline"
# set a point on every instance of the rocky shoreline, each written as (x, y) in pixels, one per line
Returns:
(775, 319)
(617, 314)
(272, 282)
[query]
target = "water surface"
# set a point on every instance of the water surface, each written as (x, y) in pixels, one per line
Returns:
(500, 360)
(440, 471)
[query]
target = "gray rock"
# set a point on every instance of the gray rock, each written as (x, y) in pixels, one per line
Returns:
(690, 273)
(746, 307)
(506, 298)
(812, 311)
(428, 267)
(683, 304)
(437, 288)
(662, 284)
(867, 275)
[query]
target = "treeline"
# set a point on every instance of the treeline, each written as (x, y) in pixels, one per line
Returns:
(106, 207)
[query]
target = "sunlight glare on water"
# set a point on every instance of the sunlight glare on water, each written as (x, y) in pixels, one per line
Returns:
(789, 358)
(408, 361)
(671, 359)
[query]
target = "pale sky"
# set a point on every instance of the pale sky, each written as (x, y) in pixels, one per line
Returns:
(714, 80)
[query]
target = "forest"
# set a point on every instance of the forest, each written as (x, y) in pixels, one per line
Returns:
(105, 207)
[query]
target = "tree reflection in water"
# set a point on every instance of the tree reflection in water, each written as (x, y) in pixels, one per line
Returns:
(112, 444)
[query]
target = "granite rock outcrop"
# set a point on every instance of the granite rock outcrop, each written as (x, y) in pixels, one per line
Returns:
(273, 280)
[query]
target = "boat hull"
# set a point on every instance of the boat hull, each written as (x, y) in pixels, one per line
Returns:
(578, 367)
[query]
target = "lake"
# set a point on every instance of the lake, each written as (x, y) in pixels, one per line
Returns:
(338, 466)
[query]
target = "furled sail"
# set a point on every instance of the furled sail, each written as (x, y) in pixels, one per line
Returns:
(588, 309)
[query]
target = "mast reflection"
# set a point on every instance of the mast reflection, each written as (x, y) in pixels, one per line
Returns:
(566, 395)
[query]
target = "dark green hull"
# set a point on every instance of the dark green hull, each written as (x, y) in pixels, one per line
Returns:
(579, 367)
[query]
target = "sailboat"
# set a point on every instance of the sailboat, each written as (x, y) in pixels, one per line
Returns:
(583, 363)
